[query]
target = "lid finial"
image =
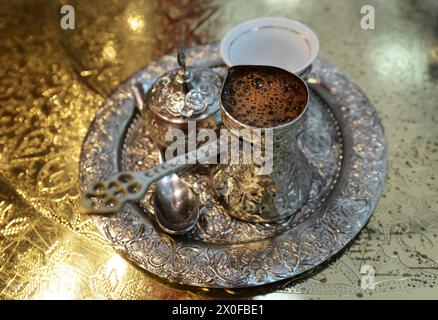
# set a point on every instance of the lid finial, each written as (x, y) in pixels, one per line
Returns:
(181, 57)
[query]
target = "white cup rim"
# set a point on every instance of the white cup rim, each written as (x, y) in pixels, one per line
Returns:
(309, 39)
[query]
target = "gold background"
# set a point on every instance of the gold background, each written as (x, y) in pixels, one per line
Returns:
(53, 81)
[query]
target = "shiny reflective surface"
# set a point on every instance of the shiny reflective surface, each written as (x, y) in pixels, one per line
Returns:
(276, 193)
(248, 255)
(176, 206)
(54, 80)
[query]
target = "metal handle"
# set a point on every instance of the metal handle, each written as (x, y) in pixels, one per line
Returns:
(108, 197)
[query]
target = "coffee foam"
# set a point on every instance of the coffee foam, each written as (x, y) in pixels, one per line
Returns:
(264, 97)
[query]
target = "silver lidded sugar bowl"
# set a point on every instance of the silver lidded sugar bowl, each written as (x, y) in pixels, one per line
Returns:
(183, 96)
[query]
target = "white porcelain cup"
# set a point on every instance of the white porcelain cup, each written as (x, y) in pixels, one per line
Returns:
(278, 42)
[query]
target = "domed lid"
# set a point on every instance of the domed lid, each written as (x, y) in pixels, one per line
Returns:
(186, 93)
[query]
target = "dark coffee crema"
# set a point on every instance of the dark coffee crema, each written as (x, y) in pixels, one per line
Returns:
(262, 96)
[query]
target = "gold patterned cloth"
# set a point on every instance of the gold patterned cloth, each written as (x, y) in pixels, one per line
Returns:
(52, 81)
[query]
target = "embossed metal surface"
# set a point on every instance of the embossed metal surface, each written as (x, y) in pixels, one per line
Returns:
(323, 149)
(275, 196)
(167, 97)
(247, 262)
(53, 81)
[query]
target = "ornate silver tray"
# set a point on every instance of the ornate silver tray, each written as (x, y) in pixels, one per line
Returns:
(344, 142)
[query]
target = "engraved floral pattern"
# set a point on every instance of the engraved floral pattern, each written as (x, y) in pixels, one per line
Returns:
(321, 144)
(290, 253)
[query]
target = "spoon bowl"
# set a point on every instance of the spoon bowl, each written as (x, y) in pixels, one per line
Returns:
(176, 206)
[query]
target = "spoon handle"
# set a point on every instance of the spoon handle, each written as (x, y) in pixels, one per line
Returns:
(108, 196)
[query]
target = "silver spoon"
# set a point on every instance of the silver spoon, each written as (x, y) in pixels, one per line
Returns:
(176, 206)
(107, 197)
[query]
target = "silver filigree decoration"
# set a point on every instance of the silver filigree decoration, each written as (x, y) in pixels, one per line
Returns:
(342, 213)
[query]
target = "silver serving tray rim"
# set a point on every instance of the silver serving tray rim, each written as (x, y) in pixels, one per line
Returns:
(321, 236)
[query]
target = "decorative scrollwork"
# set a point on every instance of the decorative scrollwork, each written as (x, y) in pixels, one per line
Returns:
(296, 249)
